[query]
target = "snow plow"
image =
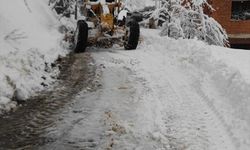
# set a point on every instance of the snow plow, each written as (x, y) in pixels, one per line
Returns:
(103, 23)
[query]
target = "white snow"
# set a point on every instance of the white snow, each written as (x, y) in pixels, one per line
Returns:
(239, 60)
(28, 39)
(167, 94)
(122, 14)
(176, 94)
(133, 5)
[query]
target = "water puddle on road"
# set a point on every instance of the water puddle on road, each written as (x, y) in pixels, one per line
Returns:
(27, 127)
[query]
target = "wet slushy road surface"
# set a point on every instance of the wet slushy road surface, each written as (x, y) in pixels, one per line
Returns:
(29, 125)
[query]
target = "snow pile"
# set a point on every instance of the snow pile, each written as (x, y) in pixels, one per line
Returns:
(134, 5)
(173, 94)
(29, 44)
(220, 75)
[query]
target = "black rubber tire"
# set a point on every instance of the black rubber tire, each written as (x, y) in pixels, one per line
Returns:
(81, 36)
(133, 36)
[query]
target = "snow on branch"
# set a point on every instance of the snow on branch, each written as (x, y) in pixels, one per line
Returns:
(186, 19)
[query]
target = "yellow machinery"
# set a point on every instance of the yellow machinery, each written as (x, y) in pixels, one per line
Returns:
(97, 22)
(98, 12)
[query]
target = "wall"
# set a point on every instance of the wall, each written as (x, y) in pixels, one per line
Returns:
(223, 16)
(238, 30)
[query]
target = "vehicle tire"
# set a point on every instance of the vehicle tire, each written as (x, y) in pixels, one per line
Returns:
(132, 36)
(81, 36)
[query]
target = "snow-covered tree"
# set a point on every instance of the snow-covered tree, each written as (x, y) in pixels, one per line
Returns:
(186, 19)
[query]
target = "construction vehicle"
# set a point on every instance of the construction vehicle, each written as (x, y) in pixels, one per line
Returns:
(104, 23)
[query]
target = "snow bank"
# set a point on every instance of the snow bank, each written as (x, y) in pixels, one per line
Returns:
(134, 5)
(221, 76)
(28, 39)
(180, 86)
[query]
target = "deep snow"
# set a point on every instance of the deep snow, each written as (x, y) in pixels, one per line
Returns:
(166, 95)
(187, 94)
(29, 38)
(134, 5)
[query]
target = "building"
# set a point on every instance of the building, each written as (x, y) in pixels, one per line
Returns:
(234, 16)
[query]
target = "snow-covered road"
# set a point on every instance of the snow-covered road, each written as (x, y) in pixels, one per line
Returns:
(160, 96)
(166, 95)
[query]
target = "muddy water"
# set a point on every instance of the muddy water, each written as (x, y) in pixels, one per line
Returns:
(26, 128)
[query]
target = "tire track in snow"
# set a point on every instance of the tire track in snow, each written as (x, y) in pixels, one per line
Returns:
(125, 94)
(219, 116)
(75, 130)
(184, 128)
(28, 126)
(27, 6)
(100, 127)
(191, 120)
